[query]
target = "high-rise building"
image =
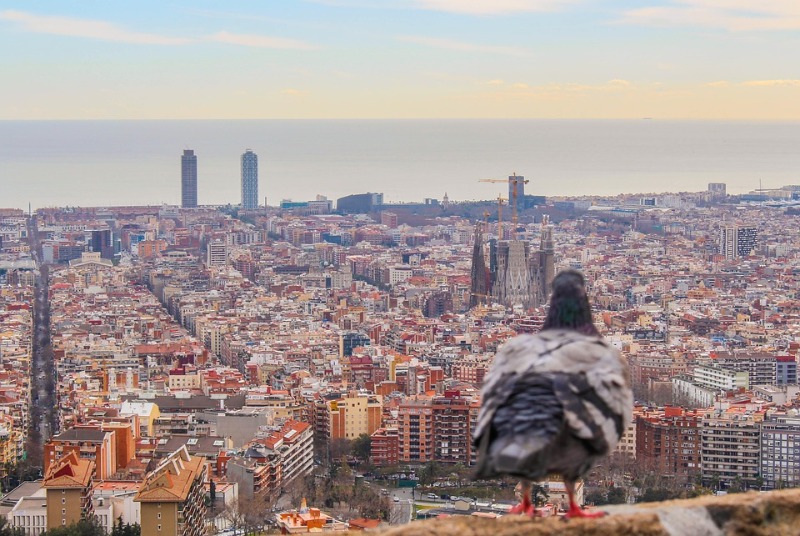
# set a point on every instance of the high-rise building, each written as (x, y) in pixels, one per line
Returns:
(516, 187)
(668, 442)
(217, 253)
(717, 190)
(188, 179)
(735, 241)
(172, 497)
(727, 459)
(100, 241)
(249, 180)
(780, 458)
(68, 487)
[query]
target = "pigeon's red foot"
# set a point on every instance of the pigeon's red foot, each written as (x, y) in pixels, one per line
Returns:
(524, 509)
(580, 512)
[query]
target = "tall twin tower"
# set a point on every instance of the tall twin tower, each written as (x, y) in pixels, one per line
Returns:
(249, 179)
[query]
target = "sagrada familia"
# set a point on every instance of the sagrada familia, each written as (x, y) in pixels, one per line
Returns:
(516, 275)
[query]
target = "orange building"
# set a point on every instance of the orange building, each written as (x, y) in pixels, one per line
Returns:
(151, 248)
(89, 443)
(385, 447)
(353, 415)
(307, 520)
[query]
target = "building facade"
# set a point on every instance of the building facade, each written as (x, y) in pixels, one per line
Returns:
(188, 179)
(68, 484)
(172, 497)
(780, 452)
(730, 449)
(668, 442)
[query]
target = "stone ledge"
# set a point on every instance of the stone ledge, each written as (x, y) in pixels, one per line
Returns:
(751, 514)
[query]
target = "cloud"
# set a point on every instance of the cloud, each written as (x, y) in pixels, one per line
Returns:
(294, 92)
(466, 7)
(772, 83)
(261, 41)
(461, 46)
(718, 83)
(616, 85)
(492, 7)
(86, 28)
(731, 15)
(495, 82)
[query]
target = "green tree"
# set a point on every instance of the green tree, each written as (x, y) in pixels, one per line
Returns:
(126, 529)
(85, 527)
(8, 530)
(616, 495)
(657, 495)
(428, 474)
(361, 447)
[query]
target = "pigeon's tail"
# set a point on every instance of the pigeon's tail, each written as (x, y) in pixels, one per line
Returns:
(522, 457)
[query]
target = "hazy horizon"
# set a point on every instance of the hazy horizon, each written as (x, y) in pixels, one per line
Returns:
(111, 163)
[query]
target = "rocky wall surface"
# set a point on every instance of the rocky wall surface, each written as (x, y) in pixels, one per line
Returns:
(751, 514)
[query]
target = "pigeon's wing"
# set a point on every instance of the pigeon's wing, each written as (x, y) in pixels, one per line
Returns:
(521, 356)
(594, 391)
(522, 431)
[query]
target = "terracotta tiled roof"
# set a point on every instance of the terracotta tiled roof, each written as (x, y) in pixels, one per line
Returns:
(70, 471)
(172, 479)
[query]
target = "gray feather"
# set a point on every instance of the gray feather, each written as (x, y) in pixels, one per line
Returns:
(553, 402)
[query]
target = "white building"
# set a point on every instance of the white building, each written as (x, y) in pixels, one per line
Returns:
(217, 253)
(720, 378)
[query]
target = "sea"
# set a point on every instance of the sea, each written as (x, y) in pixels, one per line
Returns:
(111, 163)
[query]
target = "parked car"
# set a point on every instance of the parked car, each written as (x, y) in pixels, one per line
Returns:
(432, 496)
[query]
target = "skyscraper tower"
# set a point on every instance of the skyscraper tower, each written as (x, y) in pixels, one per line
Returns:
(249, 180)
(188, 179)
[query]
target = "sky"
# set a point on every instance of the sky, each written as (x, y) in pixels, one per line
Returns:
(168, 59)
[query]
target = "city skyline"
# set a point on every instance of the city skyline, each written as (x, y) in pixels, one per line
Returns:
(702, 59)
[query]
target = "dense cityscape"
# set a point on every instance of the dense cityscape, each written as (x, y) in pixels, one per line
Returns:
(317, 365)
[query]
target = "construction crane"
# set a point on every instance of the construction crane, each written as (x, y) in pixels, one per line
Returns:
(513, 179)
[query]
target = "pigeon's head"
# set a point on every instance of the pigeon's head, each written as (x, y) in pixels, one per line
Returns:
(569, 304)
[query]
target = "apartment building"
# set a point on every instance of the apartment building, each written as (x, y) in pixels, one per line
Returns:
(68, 483)
(668, 442)
(172, 497)
(780, 452)
(99, 446)
(730, 448)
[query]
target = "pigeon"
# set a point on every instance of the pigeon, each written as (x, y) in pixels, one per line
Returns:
(554, 402)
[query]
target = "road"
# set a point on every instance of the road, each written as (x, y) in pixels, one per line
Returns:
(43, 411)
